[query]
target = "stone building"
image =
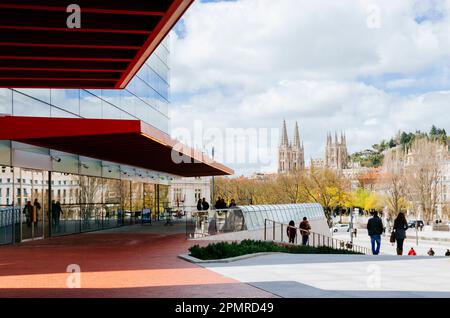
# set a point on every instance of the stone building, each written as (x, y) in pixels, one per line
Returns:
(291, 156)
(336, 155)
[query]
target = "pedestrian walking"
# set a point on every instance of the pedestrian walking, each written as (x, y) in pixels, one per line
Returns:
(375, 229)
(37, 209)
(205, 205)
(28, 211)
(447, 253)
(305, 229)
(430, 252)
(232, 204)
(400, 227)
(291, 231)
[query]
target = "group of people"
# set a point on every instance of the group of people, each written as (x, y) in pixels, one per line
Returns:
(221, 204)
(31, 212)
(304, 228)
(203, 205)
(375, 229)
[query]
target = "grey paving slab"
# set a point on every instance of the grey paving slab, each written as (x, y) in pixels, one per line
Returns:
(289, 275)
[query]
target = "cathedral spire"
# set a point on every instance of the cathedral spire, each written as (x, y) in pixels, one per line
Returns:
(296, 142)
(284, 135)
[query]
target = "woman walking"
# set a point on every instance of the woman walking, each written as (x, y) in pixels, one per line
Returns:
(400, 227)
(291, 231)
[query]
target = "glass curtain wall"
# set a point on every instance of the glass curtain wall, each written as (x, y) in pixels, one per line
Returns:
(77, 203)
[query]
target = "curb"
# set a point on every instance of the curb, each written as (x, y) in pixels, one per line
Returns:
(194, 260)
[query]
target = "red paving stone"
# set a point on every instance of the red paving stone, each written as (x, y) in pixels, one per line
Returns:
(113, 265)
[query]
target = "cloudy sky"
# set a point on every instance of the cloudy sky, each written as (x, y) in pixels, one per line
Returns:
(366, 67)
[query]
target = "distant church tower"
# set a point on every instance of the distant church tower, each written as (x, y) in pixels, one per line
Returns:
(291, 157)
(336, 155)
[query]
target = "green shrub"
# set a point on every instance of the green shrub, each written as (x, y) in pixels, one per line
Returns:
(223, 250)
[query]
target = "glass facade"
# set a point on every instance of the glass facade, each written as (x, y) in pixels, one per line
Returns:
(146, 97)
(63, 203)
(69, 193)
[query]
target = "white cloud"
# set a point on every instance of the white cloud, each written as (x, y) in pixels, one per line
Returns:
(251, 63)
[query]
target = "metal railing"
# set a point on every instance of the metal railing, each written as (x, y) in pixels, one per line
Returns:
(277, 232)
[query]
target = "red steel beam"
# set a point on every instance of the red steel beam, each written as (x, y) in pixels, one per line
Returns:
(75, 46)
(60, 69)
(84, 30)
(57, 79)
(83, 9)
(103, 59)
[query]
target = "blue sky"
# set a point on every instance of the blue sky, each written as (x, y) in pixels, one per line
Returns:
(369, 68)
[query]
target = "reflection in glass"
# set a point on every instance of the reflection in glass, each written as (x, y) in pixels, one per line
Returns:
(65, 204)
(91, 203)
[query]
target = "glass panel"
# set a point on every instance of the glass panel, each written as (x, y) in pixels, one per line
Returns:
(137, 200)
(65, 205)
(5, 101)
(150, 198)
(67, 99)
(90, 105)
(91, 203)
(27, 106)
(163, 198)
(30, 191)
(111, 202)
(125, 212)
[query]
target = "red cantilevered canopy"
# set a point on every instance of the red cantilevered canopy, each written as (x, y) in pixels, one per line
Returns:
(130, 142)
(115, 38)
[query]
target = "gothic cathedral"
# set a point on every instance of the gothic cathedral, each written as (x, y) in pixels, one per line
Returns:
(291, 157)
(336, 156)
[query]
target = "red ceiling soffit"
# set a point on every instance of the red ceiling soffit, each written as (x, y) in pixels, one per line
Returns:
(130, 142)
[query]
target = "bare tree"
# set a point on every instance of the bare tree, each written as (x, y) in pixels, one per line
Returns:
(393, 182)
(423, 173)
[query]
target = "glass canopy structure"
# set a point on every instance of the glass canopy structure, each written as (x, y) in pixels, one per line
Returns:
(254, 215)
(251, 217)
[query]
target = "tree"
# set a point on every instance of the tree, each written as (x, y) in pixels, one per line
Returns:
(423, 175)
(325, 186)
(393, 182)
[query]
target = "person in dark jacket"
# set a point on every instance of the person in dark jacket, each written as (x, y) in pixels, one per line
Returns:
(291, 231)
(28, 211)
(232, 204)
(430, 252)
(400, 227)
(199, 205)
(447, 253)
(305, 229)
(375, 229)
(218, 204)
(205, 205)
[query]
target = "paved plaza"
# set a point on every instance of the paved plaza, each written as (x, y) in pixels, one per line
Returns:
(436, 240)
(324, 276)
(142, 261)
(133, 261)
